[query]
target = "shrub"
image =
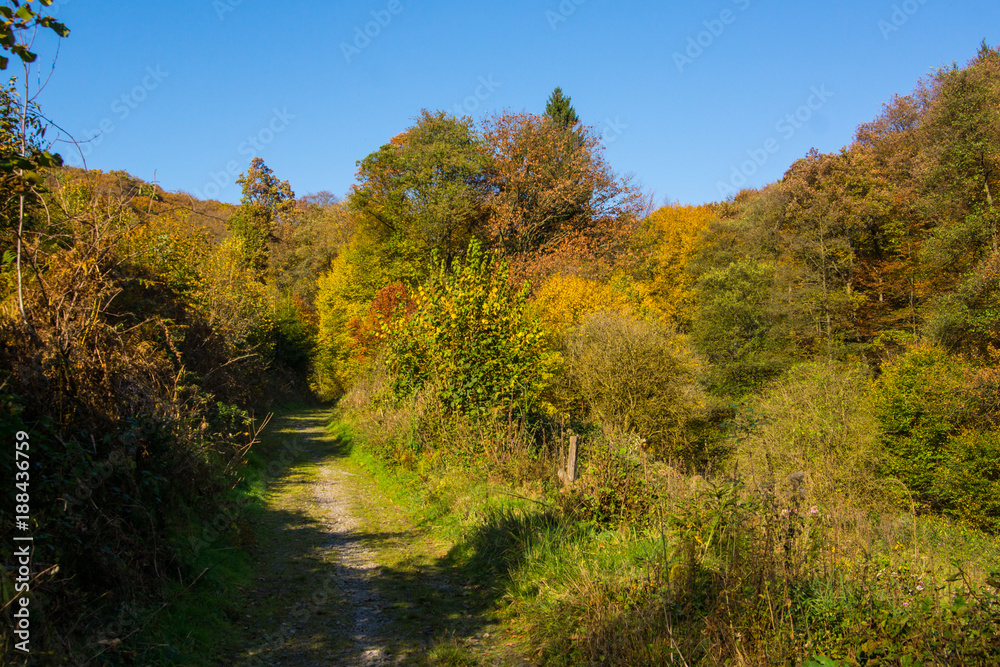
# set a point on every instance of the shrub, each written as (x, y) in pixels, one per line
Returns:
(812, 421)
(123, 367)
(612, 489)
(931, 410)
(639, 376)
(471, 340)
(968, 484)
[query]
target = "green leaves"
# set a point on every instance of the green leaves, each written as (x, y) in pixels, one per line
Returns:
(935, 437)
(265, 198)
(22, 17)
(471, 340)
(426, 186)
(41, 159)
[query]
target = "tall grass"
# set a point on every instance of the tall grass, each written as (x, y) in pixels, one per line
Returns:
(636, 563)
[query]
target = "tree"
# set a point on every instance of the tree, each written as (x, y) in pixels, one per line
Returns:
(959, 179)
(819, 237)
(20, 17)
(471, 339)
(425, 189)
(884, 197)
(732, 324)
(672, 235)
(961, 140)
(559, 109)
(21, 150)
(265, 200)
(312, 236)
(421, 193)
(563, 300)
(553, 205)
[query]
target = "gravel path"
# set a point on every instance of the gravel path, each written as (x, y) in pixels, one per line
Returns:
(355, 567)
(344, 578)
(316, 602)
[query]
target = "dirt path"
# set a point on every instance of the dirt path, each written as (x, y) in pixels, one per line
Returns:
(343, 577)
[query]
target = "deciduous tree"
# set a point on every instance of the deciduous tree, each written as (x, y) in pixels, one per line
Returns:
(672, 235)
(265, 199)
(425, 189)
(553, 204)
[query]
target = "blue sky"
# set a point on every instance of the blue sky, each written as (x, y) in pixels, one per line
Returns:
(693, 99)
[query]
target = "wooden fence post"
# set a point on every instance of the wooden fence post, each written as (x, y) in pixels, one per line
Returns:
(571, 459)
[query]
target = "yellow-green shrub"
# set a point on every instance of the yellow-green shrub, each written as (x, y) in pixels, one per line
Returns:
(639, 376)
(471, 339)
(813, 421)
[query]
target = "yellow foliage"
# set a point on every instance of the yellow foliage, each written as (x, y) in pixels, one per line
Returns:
(345, 293)
(674, 233)
(564, 300)
(234, 304)
(337, 303)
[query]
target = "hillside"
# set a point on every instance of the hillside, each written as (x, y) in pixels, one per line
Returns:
(786, 403)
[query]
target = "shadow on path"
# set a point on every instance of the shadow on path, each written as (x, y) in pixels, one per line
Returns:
(324, 595)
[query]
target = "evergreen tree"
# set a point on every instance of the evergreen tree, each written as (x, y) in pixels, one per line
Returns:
(560, 110)
(985, 51)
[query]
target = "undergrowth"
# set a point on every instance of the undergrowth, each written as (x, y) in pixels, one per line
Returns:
(637, 563)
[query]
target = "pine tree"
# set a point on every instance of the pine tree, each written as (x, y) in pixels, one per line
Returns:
(560, 110)
(985, 51)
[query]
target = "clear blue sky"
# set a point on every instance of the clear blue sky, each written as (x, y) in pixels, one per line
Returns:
(184, 89)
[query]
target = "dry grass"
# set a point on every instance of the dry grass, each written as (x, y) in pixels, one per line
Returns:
(637, 563)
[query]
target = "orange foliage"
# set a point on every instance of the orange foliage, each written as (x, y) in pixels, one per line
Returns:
(554, 201)
(391, 302)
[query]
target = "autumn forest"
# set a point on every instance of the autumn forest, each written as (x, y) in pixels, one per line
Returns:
(786, 403)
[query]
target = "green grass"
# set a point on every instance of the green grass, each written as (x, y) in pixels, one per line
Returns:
(484, 571)
(567, 591)
(431, 591)
(197, 614)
